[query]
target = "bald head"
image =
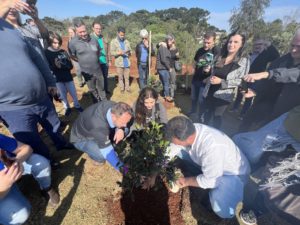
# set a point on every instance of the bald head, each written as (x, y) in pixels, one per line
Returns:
(295, 47)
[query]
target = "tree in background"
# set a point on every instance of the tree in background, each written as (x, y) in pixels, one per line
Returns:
(249, 16)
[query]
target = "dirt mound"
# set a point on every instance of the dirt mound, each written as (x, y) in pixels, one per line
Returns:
(159, 207)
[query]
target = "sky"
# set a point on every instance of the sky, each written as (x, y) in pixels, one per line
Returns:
(220, 10)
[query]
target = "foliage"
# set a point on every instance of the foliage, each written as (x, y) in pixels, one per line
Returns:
(155, 84)
(145, 154)
(249, 16)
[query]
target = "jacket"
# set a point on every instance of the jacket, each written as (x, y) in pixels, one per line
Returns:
(138, 52)
(115, 47)
(163, 59)
(233, 80)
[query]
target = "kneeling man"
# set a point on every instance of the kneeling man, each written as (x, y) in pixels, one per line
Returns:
(224, 169)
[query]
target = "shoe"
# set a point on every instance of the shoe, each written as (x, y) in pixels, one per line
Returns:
(82, 84)
(54, 198)
(79, 109)
(108, 92)
(248, 218)
(67, 112)
(129, 91)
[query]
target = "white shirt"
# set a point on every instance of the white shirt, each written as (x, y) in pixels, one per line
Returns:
(217, 155)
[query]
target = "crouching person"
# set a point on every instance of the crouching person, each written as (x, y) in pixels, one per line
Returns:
(220, 165)
(17, 159)
(99, 127)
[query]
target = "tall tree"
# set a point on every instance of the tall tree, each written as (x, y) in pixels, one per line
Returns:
(249, 16)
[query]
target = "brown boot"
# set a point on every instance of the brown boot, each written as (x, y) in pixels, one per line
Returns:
(54, 197)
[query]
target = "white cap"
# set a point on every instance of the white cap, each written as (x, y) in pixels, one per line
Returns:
(144, 33)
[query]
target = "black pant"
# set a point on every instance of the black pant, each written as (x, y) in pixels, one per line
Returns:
(95, 84)
(213, 108)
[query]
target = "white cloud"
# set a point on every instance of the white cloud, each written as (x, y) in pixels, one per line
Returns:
(107, 2)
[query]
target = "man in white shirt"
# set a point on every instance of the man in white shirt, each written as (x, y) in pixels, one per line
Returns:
(225, 169)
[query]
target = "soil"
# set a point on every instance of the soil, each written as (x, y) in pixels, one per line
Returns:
(142, 207)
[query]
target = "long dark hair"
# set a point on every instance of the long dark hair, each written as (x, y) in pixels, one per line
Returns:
(224, 51)
(140, 109)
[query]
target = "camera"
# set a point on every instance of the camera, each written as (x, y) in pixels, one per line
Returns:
(31, 2)
(206, 60)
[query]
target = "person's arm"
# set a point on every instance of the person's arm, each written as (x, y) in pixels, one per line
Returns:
(72, 50)
(42, 66)
(6, 5)
(114, 50)
(22, 152)
(240, 73)
(162, 113)
(111, 157)
(280, 75)
(8, 176)
(33, 13)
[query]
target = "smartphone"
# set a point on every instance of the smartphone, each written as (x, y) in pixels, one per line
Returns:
(244, 86)
(31, 2)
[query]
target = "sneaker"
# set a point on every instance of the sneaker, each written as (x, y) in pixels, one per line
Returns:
(54, 198)
(79, 109)
(67, 112)
(82, 84)
(248, 218)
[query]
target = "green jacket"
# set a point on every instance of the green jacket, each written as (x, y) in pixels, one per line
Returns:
(115, 47)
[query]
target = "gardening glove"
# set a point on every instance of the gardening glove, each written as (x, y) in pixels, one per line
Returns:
(110, 155)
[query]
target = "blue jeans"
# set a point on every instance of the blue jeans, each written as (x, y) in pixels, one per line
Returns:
(143, 75)
(92, 149)
(64, 88)
(14, 208)
(228, 192)
(271, 137)
(104, 68)
(196, 95)
(164, 77)
(22, 124)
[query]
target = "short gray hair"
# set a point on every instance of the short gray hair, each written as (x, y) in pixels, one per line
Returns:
(120, 108)
(78, 23)
(179, 127)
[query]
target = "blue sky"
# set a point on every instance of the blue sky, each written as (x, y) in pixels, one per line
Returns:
(220, 9)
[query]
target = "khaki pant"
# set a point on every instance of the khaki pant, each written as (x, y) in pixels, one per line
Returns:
(123, 75)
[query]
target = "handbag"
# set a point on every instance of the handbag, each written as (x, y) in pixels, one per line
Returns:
(178, 66)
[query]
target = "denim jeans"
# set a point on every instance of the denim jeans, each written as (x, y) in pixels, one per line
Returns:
(143, 75)
(64, 88)
(92, 149)
(228, 193)
(22, 124)
(271, 137)
(104, 68)
(39, 167)
(172, 82)
(14, 208)
(196, 95)
(164, 77)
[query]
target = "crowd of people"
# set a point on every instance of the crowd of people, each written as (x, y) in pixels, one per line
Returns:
(263, 84)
